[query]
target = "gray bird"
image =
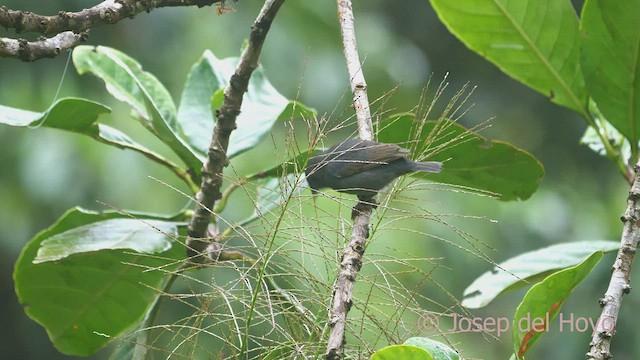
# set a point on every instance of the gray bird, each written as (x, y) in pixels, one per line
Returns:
(362, 167)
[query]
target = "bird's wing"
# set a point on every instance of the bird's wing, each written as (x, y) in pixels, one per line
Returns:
(363, 156)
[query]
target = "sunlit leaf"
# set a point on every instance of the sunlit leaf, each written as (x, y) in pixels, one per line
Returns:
(529, 268)
(143, 236)
(534, 41)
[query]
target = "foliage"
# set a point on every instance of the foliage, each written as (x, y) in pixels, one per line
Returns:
(140, 253)
(544, 301)
(93, 277)
(530, 268)
(556, 55)
(579, 64)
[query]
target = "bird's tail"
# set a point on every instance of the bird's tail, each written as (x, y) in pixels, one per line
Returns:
(428, 166)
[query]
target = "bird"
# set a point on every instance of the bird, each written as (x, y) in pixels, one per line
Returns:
(362, 167)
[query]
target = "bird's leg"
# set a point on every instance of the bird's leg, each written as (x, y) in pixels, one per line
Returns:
(364, 203)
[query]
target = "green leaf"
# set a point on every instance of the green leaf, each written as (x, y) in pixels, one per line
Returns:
(75, 115)
(71, 114)
(195, 117)
(610, 61)
(470, 160)
(86, 300)
(534, 41)
(438, 350)
(529, 268)
(401, 352)
(262, 106)
(80, 116)
(143, 236)
(149, 99)
(543, 302)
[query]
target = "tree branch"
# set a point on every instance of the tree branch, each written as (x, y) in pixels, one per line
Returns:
(352, 255)
(64, 24)
(198, 243)
(599, 348)
(43, 48)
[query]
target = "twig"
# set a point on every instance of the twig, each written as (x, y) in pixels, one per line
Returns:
(198, 243)
(70, 28)
(352, 255)
(599, 348)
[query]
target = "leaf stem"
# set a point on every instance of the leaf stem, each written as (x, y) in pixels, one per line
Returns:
(182, 174)
(613, 154)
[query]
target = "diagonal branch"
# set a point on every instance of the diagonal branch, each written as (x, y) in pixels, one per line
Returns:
(70, 28)
(352, 255)
(619, 285)
(198, 243)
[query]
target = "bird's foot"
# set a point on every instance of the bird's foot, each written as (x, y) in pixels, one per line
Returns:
(365, 204)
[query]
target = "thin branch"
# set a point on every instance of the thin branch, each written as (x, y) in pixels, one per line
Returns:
(599, 348)
(352, 255)
(198, 243)
(70, 28)
(358, 84)
(43, 48)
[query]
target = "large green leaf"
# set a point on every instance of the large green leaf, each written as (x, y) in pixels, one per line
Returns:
(261, 107)
(86, 300)
(529, 268)
(470, 160)
(543, 302)
(533, 41)
(611, 62)
(71, 114)
(143, 236)
(149, 99)
(75, 115)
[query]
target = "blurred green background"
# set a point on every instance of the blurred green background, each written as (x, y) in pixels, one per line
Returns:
(43, 172)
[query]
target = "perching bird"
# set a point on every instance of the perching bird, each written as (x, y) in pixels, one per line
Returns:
(362, 167)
